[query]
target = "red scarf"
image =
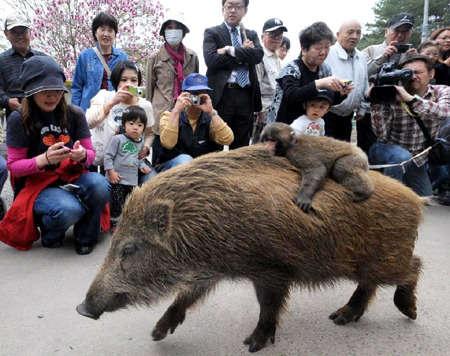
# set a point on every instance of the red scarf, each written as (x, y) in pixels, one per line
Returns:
(178, 58)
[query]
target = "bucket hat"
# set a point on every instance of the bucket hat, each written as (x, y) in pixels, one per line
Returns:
(41, 73)
(173, 16)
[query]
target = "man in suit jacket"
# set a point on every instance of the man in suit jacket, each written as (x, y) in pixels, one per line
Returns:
(231, 53)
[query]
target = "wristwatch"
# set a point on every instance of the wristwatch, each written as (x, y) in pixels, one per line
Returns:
(415, 99)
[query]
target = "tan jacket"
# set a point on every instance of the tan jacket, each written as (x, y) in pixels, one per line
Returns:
(160, 77)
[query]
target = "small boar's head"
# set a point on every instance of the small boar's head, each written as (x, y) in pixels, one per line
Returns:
(138, 268)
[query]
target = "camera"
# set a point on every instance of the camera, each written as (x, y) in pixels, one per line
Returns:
(403, 47)
(195, 99)
(384, 81)
(137, 91)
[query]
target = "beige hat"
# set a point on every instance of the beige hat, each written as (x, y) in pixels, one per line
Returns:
(173, 15)
(16, 21)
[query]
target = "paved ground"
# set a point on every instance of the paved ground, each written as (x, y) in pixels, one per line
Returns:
(39, 290)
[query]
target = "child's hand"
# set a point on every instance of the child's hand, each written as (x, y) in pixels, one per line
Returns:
(145, 170)
(113, 176)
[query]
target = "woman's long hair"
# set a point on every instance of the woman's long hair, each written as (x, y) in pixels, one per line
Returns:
(30, 110)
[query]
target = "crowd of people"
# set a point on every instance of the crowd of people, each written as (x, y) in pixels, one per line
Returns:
(68, 161)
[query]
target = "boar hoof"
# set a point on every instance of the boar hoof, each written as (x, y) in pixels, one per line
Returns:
(169, 321)
(405, 301)
(345, 315)
(257, 340)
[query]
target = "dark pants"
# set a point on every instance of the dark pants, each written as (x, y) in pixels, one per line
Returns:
(56, 209)
(119, 193)
(365, 137)
(338, 127)
(236, 109)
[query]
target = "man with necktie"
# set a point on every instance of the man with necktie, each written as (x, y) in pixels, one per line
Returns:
(231, 53)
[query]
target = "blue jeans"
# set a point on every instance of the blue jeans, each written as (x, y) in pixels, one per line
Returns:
(3, 173)
(56, 209)
(414, 177)
(180, 159)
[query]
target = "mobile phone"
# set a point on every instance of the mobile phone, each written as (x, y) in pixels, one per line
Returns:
(403, 47)
(73, 188)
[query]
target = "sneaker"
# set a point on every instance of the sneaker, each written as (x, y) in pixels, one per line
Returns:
(444, 197)
(52, 244)
(84, 249)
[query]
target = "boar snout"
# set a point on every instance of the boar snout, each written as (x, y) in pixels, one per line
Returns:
(84, 310)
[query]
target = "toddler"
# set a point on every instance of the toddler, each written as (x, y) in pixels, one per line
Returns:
(311, 123)
(121, 161)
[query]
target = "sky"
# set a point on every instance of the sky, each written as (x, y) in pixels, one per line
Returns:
(296, 15)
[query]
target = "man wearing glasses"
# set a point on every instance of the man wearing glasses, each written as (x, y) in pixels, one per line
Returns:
(17, 31)
(268, 69)
(397, 36)
(231, 54)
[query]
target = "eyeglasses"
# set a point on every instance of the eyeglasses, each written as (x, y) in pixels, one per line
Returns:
(231, 7)
(275, 36)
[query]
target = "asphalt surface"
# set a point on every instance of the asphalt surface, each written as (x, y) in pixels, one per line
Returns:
(40, 288)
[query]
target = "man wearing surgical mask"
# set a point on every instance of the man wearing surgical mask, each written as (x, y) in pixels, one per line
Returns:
(166, 70)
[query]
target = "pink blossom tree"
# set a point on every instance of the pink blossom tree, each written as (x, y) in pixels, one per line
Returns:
(62, 28)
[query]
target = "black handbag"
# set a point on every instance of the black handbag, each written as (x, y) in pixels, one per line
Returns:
(440, 146)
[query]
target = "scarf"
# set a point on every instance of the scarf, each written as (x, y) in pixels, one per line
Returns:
(178, 58)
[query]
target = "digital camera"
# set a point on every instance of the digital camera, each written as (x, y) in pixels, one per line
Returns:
(195, 99)
(403, 47)
(384, 90)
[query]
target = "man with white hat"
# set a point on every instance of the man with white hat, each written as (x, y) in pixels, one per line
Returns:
(268, 69)
(17, 31)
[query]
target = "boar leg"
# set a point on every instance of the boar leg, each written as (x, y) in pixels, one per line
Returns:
(271, 299)
(404, 296)
(355, 307)
(176, 312)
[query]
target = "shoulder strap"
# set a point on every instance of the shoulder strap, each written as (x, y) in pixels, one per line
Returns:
(102, 60)
(419, 121)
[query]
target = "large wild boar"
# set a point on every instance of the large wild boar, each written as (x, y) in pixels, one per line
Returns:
(232, 216)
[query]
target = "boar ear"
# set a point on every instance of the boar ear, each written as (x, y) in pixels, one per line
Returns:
(158, 217)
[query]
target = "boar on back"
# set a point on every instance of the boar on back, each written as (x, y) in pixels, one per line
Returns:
(231, 215)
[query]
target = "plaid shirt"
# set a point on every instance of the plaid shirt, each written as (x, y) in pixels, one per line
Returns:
(393, 125)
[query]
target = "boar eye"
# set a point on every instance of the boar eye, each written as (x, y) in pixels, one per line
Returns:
(129, 250)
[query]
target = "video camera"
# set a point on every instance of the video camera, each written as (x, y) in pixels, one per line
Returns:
(384, 81)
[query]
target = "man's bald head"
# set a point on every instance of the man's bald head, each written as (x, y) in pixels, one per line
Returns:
(349, 35)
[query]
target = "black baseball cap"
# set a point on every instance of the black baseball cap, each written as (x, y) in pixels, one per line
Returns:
(326, 94)
(274, 24)
(400, 19)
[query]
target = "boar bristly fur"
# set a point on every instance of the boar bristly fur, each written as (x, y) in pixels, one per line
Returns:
(231, 215)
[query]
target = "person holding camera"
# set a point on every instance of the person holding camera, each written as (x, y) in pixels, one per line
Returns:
(104, 116)
(192, 128)
(397, 35)
(399, 136)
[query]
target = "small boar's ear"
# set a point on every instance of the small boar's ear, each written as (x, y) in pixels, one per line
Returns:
(158, 218)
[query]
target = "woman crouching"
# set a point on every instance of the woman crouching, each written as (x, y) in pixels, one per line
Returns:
(49, 148)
